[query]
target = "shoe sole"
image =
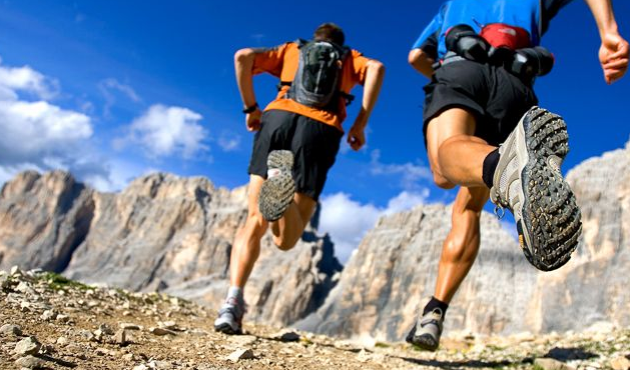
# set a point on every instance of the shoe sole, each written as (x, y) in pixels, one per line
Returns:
(425, 342)
(276, 193)
(282, 159)
(226, 328)
(549, 212)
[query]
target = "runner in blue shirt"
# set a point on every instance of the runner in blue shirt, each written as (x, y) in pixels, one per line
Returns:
(484, 132)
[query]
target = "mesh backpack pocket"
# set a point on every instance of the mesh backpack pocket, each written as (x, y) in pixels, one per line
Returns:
(316, 82)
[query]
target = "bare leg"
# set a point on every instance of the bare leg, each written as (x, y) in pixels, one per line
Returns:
(246, 248)
(456, 158)
(455, 155)
(288, 229)
(462, 243)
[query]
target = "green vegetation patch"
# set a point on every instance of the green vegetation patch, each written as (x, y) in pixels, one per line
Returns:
(60, 282)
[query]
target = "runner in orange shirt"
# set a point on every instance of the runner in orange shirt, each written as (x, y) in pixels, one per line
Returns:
(297, 139)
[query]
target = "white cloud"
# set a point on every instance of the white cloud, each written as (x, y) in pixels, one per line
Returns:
(164, 131)
(113, 84)
(109, 87)
(347, 220)
(411, 173)
(229, 141)
(32, 131)
(405, 201)
(25, 79)
(38, 135)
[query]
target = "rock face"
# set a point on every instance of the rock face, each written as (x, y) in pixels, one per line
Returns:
(595, 285)
(161, 233)
(175, 235)
(388, 279)
(43, 219)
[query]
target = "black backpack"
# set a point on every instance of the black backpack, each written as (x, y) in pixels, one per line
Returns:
(316, 82)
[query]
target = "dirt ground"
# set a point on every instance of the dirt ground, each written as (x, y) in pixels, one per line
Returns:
(51, 323)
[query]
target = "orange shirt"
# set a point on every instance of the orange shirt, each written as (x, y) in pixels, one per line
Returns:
(282, 62)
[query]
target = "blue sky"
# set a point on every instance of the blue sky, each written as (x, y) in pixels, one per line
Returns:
(114, 89)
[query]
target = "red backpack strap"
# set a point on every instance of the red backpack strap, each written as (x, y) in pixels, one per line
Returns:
(503, 35)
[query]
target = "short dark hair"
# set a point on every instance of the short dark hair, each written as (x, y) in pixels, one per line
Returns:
(330, 32)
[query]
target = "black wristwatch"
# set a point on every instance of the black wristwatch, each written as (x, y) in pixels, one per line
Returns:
(250, 109)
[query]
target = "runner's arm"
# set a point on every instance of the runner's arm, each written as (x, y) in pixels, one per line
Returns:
(374, 73)
(614, 51)
(424, 51)
(421, 62)
(243, 65)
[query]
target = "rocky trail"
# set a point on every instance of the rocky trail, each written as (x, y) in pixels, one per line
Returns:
(50, 322)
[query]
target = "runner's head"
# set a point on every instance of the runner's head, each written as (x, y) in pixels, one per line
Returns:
(329, 32)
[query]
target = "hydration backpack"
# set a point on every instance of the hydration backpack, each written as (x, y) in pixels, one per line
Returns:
(316, 82)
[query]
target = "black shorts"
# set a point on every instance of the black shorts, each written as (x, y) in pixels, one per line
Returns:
(496, 98)
(314, 145)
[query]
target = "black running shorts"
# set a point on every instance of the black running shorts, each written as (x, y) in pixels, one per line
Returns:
(496, 98)
(314, 145)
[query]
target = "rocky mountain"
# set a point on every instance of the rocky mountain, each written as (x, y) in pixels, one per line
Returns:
(174, 235)
(162, 233)
(393, 271)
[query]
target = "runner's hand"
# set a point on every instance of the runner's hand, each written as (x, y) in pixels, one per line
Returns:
(252, 120)
(356, 138)
(613, 56)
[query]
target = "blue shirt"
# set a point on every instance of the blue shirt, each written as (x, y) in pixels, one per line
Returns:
(531, 15)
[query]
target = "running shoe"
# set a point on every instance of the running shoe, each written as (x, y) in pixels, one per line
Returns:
(427, 330)
(528, 182)
(230, 320)
(276, 193)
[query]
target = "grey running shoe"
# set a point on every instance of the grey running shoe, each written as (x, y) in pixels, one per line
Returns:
(427, 330)
(277, 191)
(230, 320)
(529, 183)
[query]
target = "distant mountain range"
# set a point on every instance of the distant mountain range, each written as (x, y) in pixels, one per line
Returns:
(175, 234)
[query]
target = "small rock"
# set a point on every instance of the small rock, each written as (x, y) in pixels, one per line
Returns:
(128, 326)
(48, 315)
(171, 325)
(5, 282)
(364, 356)
(62, 341)
(102, 351)
(106, 329)
(86, 334)
(25, 288)
(31, 362)
(98, 335)
(241, 354)
(551, 364)
(128, 357)
(620, 363)
(27, 346)
(287, 336)
(15, 271)
(9, 329)
(121, 337)
(141, 367)
(162, 331)
(24, 306)
(63, 318)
